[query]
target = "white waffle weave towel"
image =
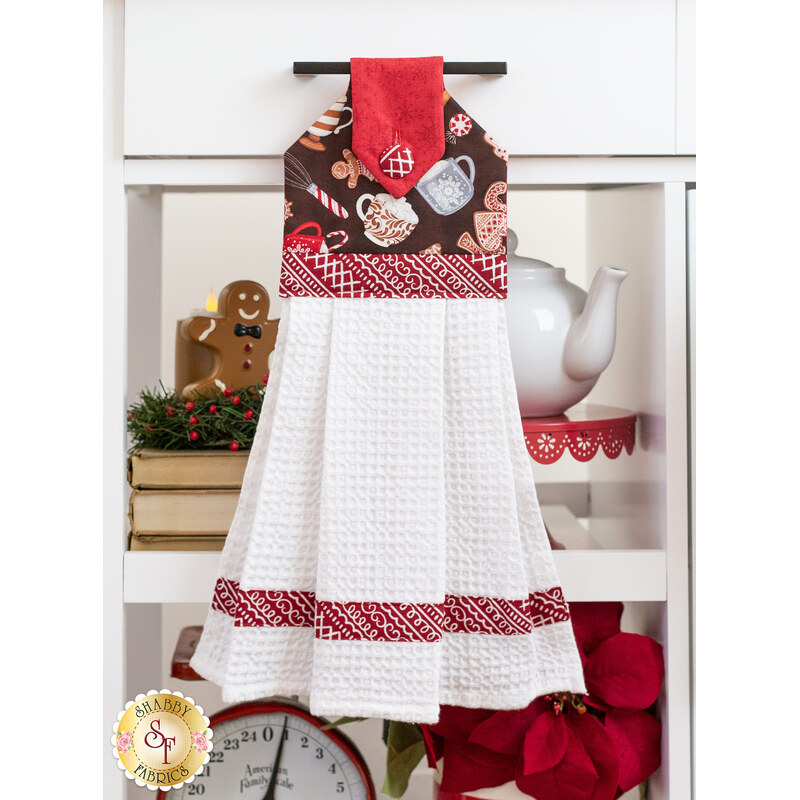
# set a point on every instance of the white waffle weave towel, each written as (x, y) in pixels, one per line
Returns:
(388, 553)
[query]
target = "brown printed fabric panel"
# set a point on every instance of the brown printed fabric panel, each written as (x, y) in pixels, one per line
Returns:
(332, 203)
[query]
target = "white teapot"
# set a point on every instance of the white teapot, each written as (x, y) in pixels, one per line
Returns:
(561, 338)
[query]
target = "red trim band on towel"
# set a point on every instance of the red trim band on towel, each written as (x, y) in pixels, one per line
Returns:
(379, 622)
(405, 275)
(389, 622)
(465, 614)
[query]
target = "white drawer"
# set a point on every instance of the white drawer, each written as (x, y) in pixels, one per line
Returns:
(214, 77)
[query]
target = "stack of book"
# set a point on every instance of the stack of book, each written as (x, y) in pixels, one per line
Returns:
(183, 500)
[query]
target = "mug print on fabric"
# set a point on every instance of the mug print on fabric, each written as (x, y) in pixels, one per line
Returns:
(328, 123)
(307, 243)
(446, 187)
(448, 191)
(387, 220)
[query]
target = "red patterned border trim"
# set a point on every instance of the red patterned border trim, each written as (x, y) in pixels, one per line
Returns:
(226, 596)
(381, 622)
(548, 607)
(258, 608)
(402, 275)
(389, 622)
(493, 615)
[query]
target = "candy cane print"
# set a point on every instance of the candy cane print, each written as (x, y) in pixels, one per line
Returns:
(332, 247)
(327, 201)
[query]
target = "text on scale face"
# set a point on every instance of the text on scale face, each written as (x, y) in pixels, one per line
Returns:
(310, 765)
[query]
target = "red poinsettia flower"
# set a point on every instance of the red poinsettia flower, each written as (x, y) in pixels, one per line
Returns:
(555, 748)
(625, 671)
(593, 623)
(637, 740)
(568, 757)
(505, 731)
(466, 765)
(467, 768)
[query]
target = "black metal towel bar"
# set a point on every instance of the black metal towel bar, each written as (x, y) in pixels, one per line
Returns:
(450, 67)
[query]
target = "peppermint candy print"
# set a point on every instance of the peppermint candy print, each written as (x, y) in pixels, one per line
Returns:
(460, 124)
(397, 161)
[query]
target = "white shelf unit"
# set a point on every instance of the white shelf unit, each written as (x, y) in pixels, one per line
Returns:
(588, 573)
(635, 548)
(636, 507)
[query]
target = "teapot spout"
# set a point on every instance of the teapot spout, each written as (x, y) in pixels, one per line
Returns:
(591, 337)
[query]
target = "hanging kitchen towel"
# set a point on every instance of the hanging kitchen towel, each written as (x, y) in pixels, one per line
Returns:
(388, 554)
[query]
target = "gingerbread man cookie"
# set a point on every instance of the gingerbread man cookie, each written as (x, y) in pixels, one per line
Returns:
(351, 168)
(239, 336)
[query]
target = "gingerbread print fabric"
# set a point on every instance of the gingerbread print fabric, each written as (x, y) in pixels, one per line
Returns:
(337, 213)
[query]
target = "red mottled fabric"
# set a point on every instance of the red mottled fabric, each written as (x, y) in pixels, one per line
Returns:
(398, 100)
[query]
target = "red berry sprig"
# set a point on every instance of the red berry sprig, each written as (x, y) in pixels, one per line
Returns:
(164, 420)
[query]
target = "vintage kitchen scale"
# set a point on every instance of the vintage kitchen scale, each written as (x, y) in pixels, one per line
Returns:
(273, 749)
(258, 740)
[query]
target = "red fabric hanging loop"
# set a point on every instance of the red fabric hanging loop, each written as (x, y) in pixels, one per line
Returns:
(394, 96)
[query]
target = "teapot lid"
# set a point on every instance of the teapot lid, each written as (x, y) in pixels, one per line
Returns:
(524, 262)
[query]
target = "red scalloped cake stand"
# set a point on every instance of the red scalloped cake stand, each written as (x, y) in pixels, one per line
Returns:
(584, 430)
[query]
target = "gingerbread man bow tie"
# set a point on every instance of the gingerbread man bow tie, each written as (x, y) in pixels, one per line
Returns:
(245, 330)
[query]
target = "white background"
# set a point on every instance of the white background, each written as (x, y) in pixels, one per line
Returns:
(747, 297)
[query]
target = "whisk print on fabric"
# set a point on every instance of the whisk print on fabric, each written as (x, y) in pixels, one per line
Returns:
(296, 175)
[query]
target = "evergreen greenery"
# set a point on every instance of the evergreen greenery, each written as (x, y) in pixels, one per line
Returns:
(163, 420)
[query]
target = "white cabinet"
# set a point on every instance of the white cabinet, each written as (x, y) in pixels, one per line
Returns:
(214, 77)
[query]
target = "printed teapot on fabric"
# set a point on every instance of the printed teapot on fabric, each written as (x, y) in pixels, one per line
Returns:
(424, 217)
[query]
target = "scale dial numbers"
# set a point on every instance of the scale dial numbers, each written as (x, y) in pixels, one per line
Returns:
(323, 765)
